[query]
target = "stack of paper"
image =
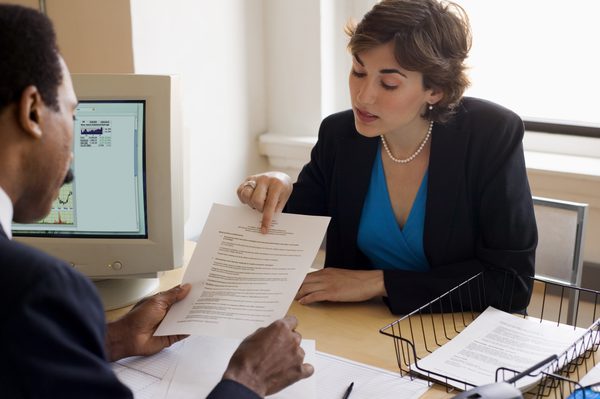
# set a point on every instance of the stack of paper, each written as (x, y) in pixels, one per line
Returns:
(497, 339)
(149, 377)
(191, 368)
(592, 378)
(334, 374)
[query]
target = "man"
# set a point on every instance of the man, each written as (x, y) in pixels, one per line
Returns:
(55, 343)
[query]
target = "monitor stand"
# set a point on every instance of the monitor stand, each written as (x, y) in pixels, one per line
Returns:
(118, 293)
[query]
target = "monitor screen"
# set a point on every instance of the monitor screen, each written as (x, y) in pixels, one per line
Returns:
(107, 198)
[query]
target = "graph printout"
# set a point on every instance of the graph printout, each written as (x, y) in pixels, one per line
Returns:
(242, 279)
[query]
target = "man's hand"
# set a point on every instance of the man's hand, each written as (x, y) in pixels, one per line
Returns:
(270, 359)
(267, 193)
(341, 285)
(132, 334)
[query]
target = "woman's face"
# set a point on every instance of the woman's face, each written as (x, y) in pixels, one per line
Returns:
(387, 98)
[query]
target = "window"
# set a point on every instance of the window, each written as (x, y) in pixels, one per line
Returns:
(537, 57)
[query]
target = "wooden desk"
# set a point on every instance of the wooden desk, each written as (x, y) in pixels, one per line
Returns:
(350, 330)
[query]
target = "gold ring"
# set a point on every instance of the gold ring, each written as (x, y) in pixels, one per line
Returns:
(249, 183)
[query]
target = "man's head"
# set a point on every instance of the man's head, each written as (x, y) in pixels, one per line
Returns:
(29, 55)
(37, 104)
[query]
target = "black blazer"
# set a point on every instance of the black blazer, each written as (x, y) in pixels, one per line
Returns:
(479, 211)
(52, 331)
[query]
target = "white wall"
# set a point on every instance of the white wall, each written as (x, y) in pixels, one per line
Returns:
(307, 63)
(246, 67)
(217, 49)
(335, 57)
(293, 66)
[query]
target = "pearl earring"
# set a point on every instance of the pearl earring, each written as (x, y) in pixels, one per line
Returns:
(430, 107)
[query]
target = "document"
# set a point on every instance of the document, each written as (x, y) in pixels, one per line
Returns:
(498, 339)
(148, 377)
(203, 360)
(242, 279)
(592, 378)
(192, 367)
(334, 374)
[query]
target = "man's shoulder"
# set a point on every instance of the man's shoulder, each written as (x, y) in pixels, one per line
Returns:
(23, 267)
(36, 284)
(27, 259)
(55, 324)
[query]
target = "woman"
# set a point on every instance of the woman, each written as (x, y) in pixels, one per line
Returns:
(425, 188)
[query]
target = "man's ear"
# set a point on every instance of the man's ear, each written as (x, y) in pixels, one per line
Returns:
(31, 110)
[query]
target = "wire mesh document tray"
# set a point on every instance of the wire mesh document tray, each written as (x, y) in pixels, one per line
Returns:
(434, 324)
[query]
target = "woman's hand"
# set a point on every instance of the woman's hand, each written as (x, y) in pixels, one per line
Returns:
(133, 334)
(267, 193)
(341, 285)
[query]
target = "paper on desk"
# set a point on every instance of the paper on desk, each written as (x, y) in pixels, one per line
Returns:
(592, 377)
(243, 279)
(148, 376)
(498, 339)
(203, 360)
(334, 374)
(194, 366)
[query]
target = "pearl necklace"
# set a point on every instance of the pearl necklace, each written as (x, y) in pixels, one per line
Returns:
(414, 155)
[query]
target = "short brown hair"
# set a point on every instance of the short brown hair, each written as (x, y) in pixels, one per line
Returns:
(429, 36)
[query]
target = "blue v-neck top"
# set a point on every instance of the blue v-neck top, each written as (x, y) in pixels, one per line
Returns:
(380, 238)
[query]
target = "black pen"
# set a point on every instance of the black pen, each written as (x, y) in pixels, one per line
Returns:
(347, 393)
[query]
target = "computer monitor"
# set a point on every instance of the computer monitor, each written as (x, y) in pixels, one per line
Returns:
(120, 221)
